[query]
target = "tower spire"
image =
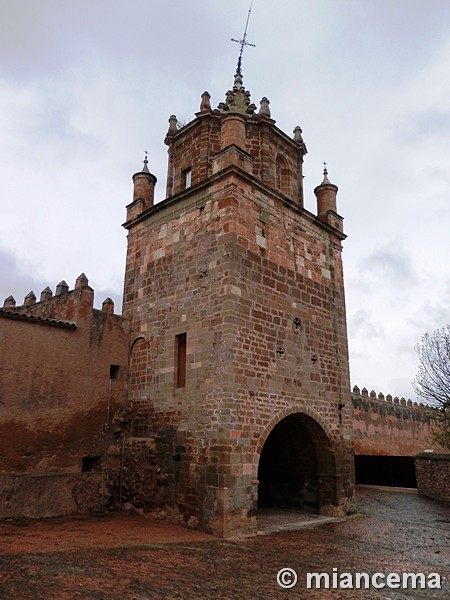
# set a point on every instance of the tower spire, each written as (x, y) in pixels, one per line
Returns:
(242, 43)
(145, 169)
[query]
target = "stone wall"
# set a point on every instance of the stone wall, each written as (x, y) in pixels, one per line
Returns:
(40, 496)
(63, 371)
(433, 475)
(387, 426)
(134, 479)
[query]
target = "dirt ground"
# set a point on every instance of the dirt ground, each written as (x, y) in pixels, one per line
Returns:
(133, 557)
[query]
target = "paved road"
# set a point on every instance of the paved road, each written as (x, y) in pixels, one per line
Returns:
(118, 559)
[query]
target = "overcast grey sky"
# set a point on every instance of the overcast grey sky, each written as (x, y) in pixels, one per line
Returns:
(86, 86)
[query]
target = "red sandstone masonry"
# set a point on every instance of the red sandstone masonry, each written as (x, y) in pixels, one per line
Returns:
(256, 283)
(196, 144)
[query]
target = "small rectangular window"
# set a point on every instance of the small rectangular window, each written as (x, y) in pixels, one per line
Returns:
(114, 371)
(89, 463)
(187, 178)
(181, 340)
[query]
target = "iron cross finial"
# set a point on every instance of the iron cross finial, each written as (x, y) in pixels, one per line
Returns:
(243, 42)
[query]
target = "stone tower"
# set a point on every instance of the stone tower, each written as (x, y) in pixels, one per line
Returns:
(235, 293)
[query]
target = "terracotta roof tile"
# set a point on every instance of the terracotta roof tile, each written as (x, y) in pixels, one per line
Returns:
(19, 316)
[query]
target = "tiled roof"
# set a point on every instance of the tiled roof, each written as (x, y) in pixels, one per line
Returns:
(19, 316)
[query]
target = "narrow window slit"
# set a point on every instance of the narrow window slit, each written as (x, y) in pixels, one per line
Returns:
(181, 340)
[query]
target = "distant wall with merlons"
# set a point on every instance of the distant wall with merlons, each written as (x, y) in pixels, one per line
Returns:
(387, 426)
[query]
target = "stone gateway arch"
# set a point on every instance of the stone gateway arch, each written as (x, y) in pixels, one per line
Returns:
(297, 467)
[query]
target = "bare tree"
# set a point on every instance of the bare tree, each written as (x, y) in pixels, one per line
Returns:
(432, 382)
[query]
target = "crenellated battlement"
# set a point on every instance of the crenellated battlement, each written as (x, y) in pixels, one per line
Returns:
(64, 308)
(401, 402)
(390, 426)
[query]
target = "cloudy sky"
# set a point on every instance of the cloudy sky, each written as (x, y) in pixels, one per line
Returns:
(86, 86)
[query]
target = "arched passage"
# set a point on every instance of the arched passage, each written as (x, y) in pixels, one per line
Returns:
(297, 466)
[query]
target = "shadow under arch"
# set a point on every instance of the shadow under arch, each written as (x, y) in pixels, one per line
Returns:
(297, 466)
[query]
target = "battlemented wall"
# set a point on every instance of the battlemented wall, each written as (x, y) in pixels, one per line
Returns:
(387, 426)
(63, 371)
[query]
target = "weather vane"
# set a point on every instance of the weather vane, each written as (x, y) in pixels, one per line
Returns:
(243, 42)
